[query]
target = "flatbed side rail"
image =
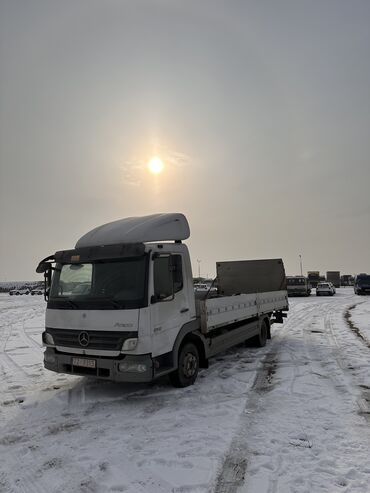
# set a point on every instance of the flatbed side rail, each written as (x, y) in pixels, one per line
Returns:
(222, 311)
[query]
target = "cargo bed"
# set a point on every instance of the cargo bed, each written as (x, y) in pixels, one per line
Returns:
(224, 310)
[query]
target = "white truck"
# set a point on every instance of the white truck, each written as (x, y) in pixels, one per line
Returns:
(121, 305)
(298, 286)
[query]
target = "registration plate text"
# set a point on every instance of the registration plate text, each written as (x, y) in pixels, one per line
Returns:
(86, 363)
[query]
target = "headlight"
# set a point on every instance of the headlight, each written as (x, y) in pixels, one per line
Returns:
(129, 344)
(132, 367)
(47, 338)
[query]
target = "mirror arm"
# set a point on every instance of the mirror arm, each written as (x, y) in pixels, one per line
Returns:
(47, 279)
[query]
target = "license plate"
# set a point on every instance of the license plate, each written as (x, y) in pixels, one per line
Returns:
(86, 363)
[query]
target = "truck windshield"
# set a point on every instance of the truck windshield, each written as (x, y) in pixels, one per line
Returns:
(104, 284)
(295, 281)
(363, 280)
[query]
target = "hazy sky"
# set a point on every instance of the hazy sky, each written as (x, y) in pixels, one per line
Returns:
(260, 111)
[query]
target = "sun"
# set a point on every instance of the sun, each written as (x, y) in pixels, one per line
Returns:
(155, 165)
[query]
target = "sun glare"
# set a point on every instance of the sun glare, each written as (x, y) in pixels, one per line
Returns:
(155, 165)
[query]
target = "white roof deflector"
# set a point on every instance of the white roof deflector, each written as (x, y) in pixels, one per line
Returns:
(156, 227)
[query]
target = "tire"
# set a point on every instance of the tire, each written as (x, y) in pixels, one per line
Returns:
(188, 366)
(260, 339)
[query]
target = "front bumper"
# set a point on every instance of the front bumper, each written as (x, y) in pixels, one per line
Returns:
(106, 368)
(297, 292)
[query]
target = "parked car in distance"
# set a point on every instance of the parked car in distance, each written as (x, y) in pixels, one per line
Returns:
(204, 289)
(36, 291)
(325, 288)
(18, 292)
(201, 288)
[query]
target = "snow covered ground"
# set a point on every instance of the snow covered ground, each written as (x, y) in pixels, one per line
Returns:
(292, 417)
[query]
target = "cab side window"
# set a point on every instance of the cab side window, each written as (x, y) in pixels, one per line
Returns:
(178, 283)
(168, 279)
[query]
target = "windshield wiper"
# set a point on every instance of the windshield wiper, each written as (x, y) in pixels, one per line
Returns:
(113, 302)
(71, 303)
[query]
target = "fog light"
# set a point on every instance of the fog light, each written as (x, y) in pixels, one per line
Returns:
(132, 367)
(48, 338)
(49, 358)
(129, 344)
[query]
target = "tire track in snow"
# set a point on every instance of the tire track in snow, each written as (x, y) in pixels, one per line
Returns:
(353, 327)
(235, 464)
(336, 372)
(14, 326)
(9, 361)
(232, 473)
(17, 372)
(363, 402)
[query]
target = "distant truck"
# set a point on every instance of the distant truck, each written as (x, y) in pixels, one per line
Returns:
(298, 286)
(121, 305)
(313, 277)
(333, 276)
(362, 284)
(346, 280)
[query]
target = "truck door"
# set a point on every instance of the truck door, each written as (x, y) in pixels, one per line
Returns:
(169, 304)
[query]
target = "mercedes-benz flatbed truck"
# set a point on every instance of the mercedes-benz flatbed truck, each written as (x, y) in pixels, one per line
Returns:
(121, 305)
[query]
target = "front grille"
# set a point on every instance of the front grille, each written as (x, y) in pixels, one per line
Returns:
(81, 370)
(98, 339)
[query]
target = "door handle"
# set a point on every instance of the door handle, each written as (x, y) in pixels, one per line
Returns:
(184, 310)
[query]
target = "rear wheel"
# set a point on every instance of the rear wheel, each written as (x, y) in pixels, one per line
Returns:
(260, 339)
(188, 366)
(262, 336)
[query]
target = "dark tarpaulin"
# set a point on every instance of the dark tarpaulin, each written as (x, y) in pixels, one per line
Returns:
(250, 276)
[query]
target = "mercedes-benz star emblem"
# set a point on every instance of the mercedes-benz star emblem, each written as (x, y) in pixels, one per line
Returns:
(84, 339)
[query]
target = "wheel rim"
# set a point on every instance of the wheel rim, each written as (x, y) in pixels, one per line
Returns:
(190, 365)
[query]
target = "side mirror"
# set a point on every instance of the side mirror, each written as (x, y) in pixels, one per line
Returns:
(42, 267)
(45, 267)
(45, 264)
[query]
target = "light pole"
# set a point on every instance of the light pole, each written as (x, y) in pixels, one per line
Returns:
(199, 261)
(300, 263)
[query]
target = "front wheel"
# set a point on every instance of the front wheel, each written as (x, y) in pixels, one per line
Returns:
(188, 366)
